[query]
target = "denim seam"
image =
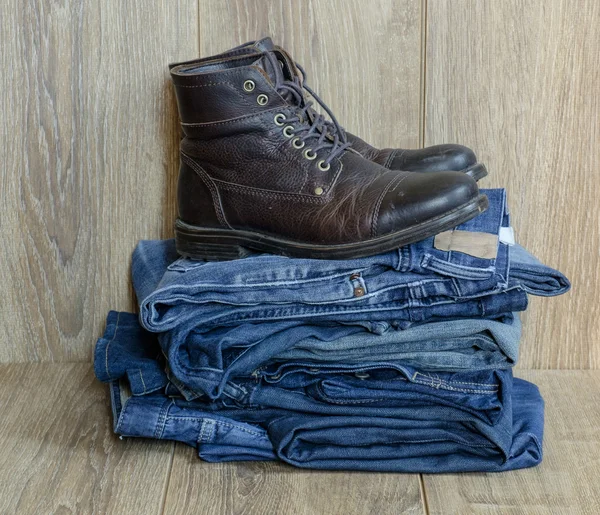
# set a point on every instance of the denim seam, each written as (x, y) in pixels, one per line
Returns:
(108, 345)
(205, 426)
(449, 267)
(142, 379)
(162, 419)
(270, 284)
(124, 408)
(447, 381)
(348, 401)
(440, 384)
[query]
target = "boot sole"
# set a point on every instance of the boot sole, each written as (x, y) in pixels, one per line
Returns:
(211, 244)
(476, 171)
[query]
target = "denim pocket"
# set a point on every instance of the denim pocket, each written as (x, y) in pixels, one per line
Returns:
(478, 393)
(453, 264)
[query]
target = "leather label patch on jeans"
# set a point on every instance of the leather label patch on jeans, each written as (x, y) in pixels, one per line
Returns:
(478, 244)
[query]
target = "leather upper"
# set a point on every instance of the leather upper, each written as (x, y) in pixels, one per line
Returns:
(240, 171)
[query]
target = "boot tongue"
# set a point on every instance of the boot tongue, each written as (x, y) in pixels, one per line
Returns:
(264, 45)
(286, 69)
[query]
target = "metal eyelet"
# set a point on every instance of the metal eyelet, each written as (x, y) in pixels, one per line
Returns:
(249, 85)
(262, 99)
(296, 143)
(309, 154)
(288, 131)
(319, 191)
(279, 119)
(323, 168)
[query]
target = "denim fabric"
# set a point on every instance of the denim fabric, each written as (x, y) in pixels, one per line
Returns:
(207, 360)
(452, 345)
(414, 423)
(533, 276)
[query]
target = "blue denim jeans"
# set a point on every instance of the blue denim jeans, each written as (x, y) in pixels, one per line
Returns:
(380, 417)
(205, 361)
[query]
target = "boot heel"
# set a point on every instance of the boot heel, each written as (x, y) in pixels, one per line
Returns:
(196, 243)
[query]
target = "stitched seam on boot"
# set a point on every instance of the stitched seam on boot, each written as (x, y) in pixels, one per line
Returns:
(270, 193)
(205, 178)
(393, 154)
(239, 118)
(397, 180)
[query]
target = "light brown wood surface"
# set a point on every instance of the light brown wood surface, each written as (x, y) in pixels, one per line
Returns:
(518, 82)
(88, 153)
(258, 488)
(59, 455)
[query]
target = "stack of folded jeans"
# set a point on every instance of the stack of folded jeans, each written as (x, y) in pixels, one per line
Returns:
(396, 362)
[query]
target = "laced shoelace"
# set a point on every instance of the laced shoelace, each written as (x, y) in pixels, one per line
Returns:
(327, 133)
(328, 125)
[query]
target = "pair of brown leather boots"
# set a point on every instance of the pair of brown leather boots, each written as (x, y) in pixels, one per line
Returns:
(261, 170)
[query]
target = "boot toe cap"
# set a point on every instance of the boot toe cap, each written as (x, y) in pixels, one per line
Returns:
(417, 198)
(436, 158)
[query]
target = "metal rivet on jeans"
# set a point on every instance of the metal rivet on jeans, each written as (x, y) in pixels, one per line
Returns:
(362, 375)
(354, 277)
(359, 292)
(313, 370)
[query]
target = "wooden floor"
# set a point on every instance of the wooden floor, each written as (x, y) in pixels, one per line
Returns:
(58, 454)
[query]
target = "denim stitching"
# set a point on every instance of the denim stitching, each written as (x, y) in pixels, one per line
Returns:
(162, 419)
(142, 378)
(108, 345)
(204, 426)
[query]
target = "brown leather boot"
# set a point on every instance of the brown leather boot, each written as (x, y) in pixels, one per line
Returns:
(260, 170)
(435, 158)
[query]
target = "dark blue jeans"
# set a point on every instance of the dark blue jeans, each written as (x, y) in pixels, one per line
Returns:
(381, 416)
(384, 419)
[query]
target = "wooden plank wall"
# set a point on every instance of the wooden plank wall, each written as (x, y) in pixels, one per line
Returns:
(88, 136)
(88, 149)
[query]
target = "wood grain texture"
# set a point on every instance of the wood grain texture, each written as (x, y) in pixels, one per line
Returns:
(58, 453)
(260, 488)
(88, 146)
(518, 82)
(362, 58)
(567, 480)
